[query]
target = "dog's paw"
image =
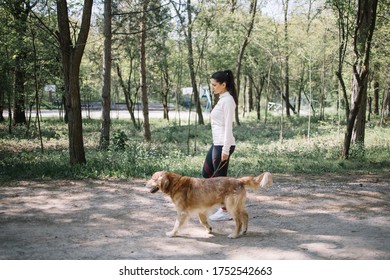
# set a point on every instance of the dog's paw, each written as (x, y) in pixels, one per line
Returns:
(170, 234)
(210, 230)
(232, 236)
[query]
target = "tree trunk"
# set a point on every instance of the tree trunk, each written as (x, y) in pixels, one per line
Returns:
(258, 90)
(358, 132)
(301, 89)
(286, 63)
(233, 6)
(250, 95)
(165, 90)
(253, 9)
(20, 96)
(3, 89)
(364, 29)
(187, 31)
(71, 60)
(144, 90)
(127, 93)
(245, 95)
(191, 64)
(386, 101)
(21, 10)
(106, 92)
(343, 25)
(376, 98)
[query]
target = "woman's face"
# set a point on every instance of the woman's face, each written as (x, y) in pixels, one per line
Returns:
(216, 87)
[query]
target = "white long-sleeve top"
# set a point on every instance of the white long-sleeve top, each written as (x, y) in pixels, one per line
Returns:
(222, 122)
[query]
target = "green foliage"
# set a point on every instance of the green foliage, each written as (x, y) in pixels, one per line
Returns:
(182, 149)
(119, 140)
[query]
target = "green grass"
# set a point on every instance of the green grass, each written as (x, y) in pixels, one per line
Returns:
(182, 149)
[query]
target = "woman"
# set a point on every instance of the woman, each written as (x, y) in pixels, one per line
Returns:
(217, 159)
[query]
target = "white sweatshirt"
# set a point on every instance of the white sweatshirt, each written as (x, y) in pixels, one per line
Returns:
(222, 122)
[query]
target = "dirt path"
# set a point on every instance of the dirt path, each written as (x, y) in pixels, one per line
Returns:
(297, 218)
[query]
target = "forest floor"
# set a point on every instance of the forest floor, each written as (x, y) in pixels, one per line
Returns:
(298, 217)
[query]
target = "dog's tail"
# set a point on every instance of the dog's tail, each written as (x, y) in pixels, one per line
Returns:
(261, 181)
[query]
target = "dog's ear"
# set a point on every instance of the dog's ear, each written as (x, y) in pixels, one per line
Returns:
(164, 181)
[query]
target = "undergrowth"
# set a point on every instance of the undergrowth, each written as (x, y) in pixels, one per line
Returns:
(182, 148)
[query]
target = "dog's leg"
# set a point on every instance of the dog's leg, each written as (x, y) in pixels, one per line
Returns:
(203, 221)
(237, 218)
(244, 215)
(232, 207)
(236, 207)
(181, 219)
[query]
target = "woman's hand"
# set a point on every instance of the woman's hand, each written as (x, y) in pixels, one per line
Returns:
(224, 157)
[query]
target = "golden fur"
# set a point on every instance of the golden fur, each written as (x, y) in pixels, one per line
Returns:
(199, 195)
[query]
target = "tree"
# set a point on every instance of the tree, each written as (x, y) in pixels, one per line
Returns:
(187, 31)
(343, 10)
(126, 54)
(106, 92)
(386, 101)
(20, 11)
(144, 90)
(4, 88)
(286, 62)
(5, 67)
(253, 8)
(126, 87)
(72, 52)
(364, 30)
(380, 56)
(161, 52)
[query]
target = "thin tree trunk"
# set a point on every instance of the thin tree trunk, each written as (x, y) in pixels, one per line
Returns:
(388, 97)
(127, 92)
(187, 31)
(19, 101)
(3, 90)
(165, 91)
(343, 25)
(286, 63)
(376, 98)
(144, 90)
(258, 90)
(191, 64)
(253, 9)
(21, 11)
(37, 103)
(106, 92)
(386, 102)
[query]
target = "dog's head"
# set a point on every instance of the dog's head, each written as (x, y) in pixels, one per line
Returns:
(159, 181)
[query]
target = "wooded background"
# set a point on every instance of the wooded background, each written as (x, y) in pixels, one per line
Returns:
(332, 57)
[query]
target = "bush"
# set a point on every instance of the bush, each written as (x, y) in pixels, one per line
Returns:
(119, 139)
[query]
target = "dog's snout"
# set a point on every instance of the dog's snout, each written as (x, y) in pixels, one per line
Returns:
(152, 186)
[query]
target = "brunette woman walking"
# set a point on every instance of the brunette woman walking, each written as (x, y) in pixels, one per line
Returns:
(222, 116)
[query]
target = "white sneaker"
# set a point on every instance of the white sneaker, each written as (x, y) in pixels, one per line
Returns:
(221, 215)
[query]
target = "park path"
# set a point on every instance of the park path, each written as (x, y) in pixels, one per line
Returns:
(307, 217)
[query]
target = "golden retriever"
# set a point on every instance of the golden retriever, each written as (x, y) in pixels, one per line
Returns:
(199, 195)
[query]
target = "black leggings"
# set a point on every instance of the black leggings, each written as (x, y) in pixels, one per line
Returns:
(212, 166)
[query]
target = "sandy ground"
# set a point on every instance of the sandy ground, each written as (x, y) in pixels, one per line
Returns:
(329, 217)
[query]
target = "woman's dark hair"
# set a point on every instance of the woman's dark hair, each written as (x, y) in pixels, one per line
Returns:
(227, 77)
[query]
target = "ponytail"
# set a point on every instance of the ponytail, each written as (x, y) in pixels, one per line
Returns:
(227, 77)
